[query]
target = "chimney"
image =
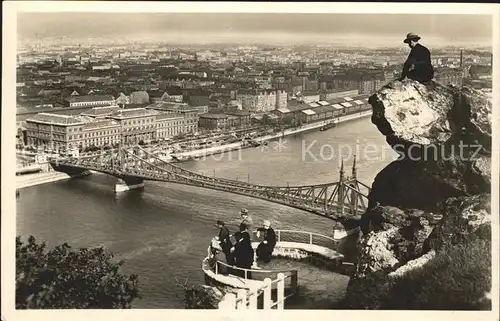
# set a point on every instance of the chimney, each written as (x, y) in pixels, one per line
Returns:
(461, 58)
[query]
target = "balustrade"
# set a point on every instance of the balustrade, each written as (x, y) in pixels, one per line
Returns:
(248, 299)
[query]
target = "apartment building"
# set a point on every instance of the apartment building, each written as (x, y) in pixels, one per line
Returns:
(52, 131)
(169, 125)
(447, 76)
(261, 100)
(136, 124)
(64, 133)
(99, 132)
(214, 121)
(188, 114)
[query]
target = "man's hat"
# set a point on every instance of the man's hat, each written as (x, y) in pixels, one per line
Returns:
(411, 36)
(244, 211)
(220, 222)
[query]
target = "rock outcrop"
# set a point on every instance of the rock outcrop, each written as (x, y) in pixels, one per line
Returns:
(438, 192)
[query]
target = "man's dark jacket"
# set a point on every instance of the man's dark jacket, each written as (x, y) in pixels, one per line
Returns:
(225, 241)
(243, 251)
(420, 58)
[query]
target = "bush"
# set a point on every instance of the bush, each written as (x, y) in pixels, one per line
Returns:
(369, 292)
(458, 278)
(71, 279)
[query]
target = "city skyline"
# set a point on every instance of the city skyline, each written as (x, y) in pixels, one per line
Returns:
(274, 28)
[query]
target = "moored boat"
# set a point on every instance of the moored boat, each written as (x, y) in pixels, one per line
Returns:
(329, 125)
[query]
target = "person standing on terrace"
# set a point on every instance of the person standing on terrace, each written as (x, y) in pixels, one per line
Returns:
(247, 221)
(225, 241)
(242, 251)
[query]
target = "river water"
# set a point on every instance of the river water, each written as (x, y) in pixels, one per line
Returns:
(162, 232)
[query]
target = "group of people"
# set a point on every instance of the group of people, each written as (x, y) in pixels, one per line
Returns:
(240, 253)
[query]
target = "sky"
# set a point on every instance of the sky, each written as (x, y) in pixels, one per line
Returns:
(382, 29)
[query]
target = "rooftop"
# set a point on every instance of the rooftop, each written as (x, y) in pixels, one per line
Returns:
(324, 109)
(308, 112)
(100, 124)
(283, 110)
(238, 113)
(101, 111)
(161, 116)
(80, 99)
(255, 91)
(213, 116)
(132, 113)
(166, 105)
(55, 119)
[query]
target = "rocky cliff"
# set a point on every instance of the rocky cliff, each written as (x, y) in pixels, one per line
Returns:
(437, 194)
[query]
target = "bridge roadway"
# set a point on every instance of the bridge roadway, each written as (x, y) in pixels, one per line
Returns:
(346, 198)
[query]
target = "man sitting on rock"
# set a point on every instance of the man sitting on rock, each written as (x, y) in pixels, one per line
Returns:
(418, 65)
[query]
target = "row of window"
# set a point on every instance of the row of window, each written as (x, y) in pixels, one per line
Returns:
(75, 137)
(99, 142)
(138, 121)
(105, 133)
(91, 103)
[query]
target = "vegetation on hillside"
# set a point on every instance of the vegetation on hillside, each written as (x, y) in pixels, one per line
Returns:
(65, 278)
(458, 278)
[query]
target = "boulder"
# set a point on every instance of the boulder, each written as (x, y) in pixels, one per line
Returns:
(410, 113)
(464, 218)
(423, 185)
(413, 264)
(418, 204)
(376, 253)
(413, 112)
(443, 137)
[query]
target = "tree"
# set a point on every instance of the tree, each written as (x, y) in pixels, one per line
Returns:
(266, 120)
(288, 120)
(66, 278)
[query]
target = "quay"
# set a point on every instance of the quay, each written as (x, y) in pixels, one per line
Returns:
(28, 180)
(287, 132)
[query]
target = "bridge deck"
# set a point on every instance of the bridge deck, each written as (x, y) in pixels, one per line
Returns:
(348, 196)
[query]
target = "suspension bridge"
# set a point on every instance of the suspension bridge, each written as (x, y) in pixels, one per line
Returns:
(132, 165)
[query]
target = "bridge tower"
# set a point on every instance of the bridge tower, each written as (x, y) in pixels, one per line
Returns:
(355, 186)
(354, 170)
(341, 188)
(129, 181)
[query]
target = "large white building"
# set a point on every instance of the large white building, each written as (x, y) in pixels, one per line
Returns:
(261, 100)
(90, 101)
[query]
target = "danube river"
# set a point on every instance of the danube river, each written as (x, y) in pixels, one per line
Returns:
(163, 232)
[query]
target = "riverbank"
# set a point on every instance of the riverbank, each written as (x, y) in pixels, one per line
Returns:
(287, 132)
(28, 180)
